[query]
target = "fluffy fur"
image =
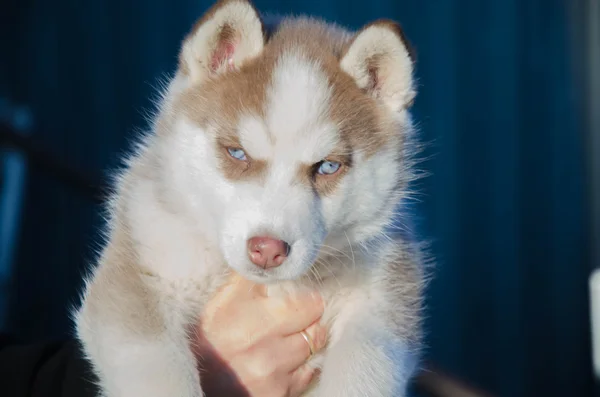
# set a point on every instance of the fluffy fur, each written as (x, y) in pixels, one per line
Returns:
(184, 207)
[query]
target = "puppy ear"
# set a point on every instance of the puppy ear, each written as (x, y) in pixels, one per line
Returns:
(381, 62)
(229, 34)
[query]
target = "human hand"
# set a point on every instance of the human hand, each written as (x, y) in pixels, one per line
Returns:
(250, 345)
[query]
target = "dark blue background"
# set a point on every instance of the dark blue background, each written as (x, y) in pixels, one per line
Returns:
(499, 98)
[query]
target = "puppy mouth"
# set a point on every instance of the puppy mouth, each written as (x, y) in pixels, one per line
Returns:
(268, 276)
(257, 274)
(260, 273)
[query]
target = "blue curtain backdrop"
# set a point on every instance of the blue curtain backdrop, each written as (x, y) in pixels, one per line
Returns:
(505, 204)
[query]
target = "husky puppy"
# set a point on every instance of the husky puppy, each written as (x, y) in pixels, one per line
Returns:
(282, 156)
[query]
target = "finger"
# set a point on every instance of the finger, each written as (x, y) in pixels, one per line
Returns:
(301, 379)
(293, 314)
(229, 301)
(297, 350)
(237, 289)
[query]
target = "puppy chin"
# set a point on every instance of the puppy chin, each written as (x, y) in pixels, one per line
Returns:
(254, 274)
(267, 276)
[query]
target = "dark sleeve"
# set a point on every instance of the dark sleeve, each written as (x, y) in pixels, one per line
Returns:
(48, 370)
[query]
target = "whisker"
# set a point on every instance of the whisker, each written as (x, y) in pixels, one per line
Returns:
(351, 250)
(317, 276)
(326, 266)
(337, 257)
(338, 250)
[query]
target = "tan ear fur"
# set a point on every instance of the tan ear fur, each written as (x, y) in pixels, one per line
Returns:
(229, 34)
(381, 62)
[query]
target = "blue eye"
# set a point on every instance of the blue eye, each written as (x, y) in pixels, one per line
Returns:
(328, 167)
(238, 154)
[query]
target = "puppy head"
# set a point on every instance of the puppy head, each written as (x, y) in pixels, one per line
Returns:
(279, 145)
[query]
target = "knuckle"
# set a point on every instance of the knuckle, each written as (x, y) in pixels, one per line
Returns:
(305, 375)
(262, 367)
(280, 390)
(282, 302)
(277, 310)
(290, 303)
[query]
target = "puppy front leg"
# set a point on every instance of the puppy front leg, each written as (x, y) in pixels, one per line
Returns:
(366, 361)
(129, 366)
(136, 350)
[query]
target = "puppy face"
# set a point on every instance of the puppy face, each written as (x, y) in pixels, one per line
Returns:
(296, 139)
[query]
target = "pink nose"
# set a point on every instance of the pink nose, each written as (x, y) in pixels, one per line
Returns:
(267, 252)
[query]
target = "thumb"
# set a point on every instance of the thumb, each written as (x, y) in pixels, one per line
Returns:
(243, 287)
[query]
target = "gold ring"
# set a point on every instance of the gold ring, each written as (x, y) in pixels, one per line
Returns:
(309, 341)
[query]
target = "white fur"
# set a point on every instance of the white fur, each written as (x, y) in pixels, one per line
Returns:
(395, 65)
(255, 138)
(199, 49)
(296, 110)
(295, 131)
(177, 226)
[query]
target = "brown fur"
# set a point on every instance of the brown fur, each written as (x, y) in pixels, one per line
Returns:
(234, 169)
(362, 124)
(396, 28)
(120, 285)
(404, 282)
(138, 293)
(221, 101)
(324, 184)
(226, 33)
